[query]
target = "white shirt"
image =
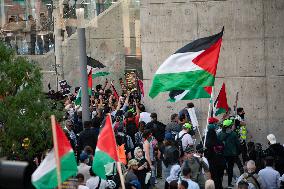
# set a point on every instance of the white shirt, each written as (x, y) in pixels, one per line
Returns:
(270, 178)
(93, 182)
(191, 184)
(84, 169)
(145, 116)
(82, 187)
(186, 139)
(204, 159)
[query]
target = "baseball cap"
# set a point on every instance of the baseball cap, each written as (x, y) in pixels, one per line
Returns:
(189, 148)
(213, 120)
(187, 125)
(83, 156)
(227, 123)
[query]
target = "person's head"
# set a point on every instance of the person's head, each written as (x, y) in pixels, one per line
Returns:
(154, 116)
(174, 118)
(87, 124)
(146, 134)
(243, 185)
(199, 149)
(189, 151)
(141, 108)
(187, 127)
(30, 17)
(213, 120)
(138, 153)
(128, 115)
(183, 184)
(269, 161)
(271, 139)
(98, 87)
(209, 184)
(182, 118)
(69, 125)
(251, 166)
(168, 138)
(190, 105)
(227, 124)
(133, 164)
(89, 150)
(186, 171)
(173, 184)
(80, 178)
(42, 15)
(84, 158)
(240, 111)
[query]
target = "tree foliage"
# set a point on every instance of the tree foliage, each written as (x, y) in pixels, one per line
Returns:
(24, 109)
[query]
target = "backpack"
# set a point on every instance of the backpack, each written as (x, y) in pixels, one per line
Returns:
(179, 144)
(171, 155)
(252, 179)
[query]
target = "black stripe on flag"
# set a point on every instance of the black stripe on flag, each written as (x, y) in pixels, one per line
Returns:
(175, 93)
(201, 44)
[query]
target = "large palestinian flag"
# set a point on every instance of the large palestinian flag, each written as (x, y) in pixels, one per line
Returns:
(190, 68)
(45, 176)
(221, 104)
(106, 149)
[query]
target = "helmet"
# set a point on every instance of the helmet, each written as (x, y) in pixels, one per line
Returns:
(111, 184)
(227, 123)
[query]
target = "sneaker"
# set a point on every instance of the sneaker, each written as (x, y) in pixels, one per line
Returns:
(230, 186)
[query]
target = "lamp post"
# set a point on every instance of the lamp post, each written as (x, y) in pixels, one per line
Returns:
(83, 63)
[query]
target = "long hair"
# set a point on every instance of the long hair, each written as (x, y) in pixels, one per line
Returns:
(211, 138)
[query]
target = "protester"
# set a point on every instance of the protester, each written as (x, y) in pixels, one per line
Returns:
(251, 177)
(183, 185)
(144, 116)
(81, 181)
(83, 168)
(143, 168)
(95, 182)
(195, 165)
(186, 172)
(130, 176)
(68, 129)
(139, 134)
(184, 137)
(231, 149)
(175, 173)
(269, 175)
(173, 127)
(276, 150)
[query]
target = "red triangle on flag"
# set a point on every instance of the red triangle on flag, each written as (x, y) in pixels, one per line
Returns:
(106, 139)
(90, 79)
(62, 141)
(208, 59)
(222, 99)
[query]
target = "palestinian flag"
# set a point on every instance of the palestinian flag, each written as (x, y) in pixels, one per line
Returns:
(106, 149)
(221, 104)
(115, 94)
(191, 67)
(203, 92)
(45, 176)
(90, 85)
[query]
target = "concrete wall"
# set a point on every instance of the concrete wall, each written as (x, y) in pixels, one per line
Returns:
(251, 59)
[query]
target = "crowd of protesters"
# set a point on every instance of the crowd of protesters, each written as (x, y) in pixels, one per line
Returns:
(150, 149)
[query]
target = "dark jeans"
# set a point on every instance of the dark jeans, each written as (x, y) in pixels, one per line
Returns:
(244, 151)
(217, 173)
(230, 161)
(33, 44)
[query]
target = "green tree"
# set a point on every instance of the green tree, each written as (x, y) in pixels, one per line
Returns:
(24, 109)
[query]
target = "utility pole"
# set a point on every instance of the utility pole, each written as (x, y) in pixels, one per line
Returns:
(83, 63)
(57, 18)
(3, 15)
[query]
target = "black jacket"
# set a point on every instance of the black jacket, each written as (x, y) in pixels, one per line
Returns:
(88, 137)
(158, 130)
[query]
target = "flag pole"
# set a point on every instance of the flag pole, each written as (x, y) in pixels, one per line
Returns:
(55, 144)
(118, 164)
(208, 115)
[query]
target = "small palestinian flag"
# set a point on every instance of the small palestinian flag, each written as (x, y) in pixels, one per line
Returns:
(106, 149)
(203, 92)
(45, 176)
(90, 85)
(221, 104)
(190, 68)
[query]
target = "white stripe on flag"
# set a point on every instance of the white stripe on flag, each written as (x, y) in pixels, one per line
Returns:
(180, 62)
(47, 165)
(180, 96)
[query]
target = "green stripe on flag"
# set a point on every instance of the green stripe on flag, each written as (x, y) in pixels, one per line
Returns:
(68, 169)
(220, 111)
(100, 74)
(100, 160)
(180, 81)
